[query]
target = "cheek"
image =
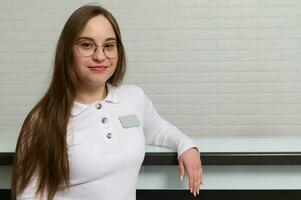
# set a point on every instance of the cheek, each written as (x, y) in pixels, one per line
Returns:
(114, 63)
(75, 58)
(77, 62)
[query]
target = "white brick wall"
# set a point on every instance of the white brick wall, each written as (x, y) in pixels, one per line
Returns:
(212, 67)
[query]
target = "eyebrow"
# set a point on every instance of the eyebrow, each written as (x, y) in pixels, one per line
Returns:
(89, 38)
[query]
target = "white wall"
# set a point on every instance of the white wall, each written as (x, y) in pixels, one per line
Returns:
(212, 67)
(215, 177)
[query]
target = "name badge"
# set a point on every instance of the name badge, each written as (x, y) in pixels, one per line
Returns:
(128, 121)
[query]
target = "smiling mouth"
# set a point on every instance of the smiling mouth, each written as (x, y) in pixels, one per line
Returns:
(98, 68)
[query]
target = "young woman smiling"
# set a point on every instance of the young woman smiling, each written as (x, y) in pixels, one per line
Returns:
(85, 138)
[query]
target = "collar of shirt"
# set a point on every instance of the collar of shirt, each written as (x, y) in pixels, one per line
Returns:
(112, 97)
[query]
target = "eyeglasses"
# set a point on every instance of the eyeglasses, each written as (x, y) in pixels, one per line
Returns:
(87, 48)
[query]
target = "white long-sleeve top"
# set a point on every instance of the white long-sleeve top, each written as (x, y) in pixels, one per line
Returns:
(106, 145)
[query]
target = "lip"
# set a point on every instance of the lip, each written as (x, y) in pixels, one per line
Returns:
(98, 68)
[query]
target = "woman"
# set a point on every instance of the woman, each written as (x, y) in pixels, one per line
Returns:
(85, 138)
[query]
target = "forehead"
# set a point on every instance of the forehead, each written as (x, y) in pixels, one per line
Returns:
(99, 29)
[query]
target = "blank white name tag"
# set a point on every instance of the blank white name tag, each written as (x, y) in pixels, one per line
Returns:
(128, 121)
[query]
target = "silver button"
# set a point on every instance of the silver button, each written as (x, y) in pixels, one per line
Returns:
(109, 135)
(98, 106)
(104, 120)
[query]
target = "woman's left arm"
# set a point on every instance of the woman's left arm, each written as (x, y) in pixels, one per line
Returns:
(160, 132)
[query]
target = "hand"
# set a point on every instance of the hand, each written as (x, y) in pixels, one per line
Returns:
(190, 163)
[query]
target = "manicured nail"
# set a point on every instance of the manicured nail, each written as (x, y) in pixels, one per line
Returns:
(194, 194)
(181, 177)
(198, 192)
(190, 190)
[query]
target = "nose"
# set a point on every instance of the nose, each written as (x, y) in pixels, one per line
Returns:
(99, 54)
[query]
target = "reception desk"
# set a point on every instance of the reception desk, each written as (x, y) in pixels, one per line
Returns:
(234, 168)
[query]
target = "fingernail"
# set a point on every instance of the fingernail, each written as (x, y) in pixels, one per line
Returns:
(190, 190)
(198, 192)
(194, 194)
(181, 177)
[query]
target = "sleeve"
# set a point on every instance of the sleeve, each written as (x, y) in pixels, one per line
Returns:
(30, 192)
(160, 132)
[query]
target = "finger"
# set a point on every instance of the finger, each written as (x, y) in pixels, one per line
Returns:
(197, 180)
(196, 183)
(191, 180)
(201, 172)
(201, 176)
(181, 169)
(189, 174)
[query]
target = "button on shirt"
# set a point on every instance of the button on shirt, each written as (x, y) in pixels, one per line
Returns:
(104, 156)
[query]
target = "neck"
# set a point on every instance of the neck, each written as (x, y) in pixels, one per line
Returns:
(90, 95)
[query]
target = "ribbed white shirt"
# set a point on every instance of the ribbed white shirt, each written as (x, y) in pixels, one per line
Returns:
(104, 155)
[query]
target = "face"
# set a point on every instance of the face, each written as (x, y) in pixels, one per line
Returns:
(94, 54)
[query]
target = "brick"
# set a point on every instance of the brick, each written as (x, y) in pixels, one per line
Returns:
(138, 35)
(291, 33)
(5, 59)
(44, 58)
(6, 90)
(193, 12)
(6, 110)
(34, 69)
(123, 4)
(237, 44)
(154, 3)
(5, 5)
(280, 22)
(5, 26)
(279, 11)
(148, 24)
(29, 5)
(156, 46)
(278, 44)
(279, 2)
(237, 3)
(6, 68)
(24, 109)
(20, 15)
(280, 66)
(8, 121)
(236, 22)
(6, 47)
(5, 15)
(31, 26)
(43, 36)
(24, 47)
(151, 67)
(282, 55)
(196, 67)
(31, 79)
(159, 12)
(195, 23)
(236, 11)
(194, 3)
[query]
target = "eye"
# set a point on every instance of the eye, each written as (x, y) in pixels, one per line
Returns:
(86, 44)
(110, 45)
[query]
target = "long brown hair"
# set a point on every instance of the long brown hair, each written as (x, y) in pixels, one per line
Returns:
(41, 151)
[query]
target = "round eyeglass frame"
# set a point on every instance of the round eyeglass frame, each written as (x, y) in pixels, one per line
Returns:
(102, 47)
